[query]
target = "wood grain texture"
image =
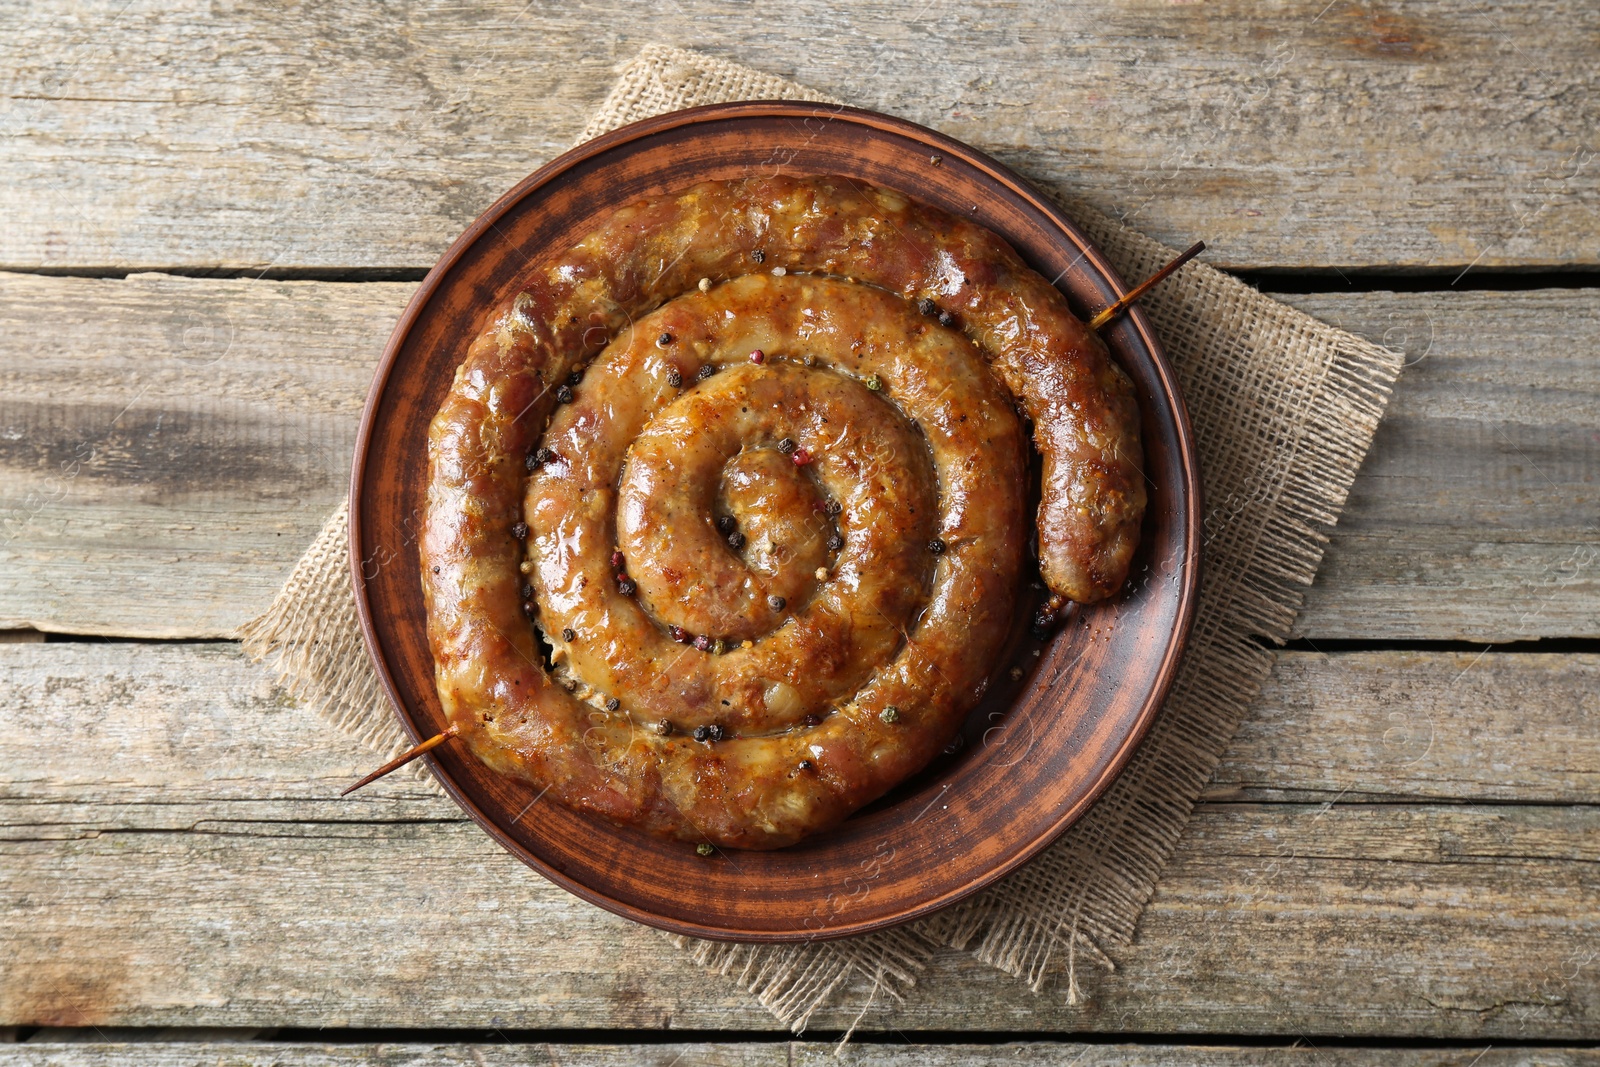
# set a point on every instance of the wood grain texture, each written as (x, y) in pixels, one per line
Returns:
(209, 430)
(1303, 134)
(211, 878)
(109, 1053)
(1477, 512)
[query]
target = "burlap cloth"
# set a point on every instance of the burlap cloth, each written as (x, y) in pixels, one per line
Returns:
(1284, 408)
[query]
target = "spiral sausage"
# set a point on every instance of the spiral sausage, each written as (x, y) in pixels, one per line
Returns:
(771, 534)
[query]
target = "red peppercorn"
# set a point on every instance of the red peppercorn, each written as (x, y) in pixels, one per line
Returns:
(758, 356)
(616, 560)
(801, 457)
(680, 635)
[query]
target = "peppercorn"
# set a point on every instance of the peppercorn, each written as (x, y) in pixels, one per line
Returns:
(568, 634)
(612, 703)
(936, 546)
(807, 765)
(875, 383)
(706, 370)
(703, 849)
(927, 307)
(890, 714)
(833, 508)
(569, 684)
(664, 340)
(776, 603)
(626, 586)
(680, 635)
(538, 458)
(705, 285)
(758, 356)
(529, 609)
(527, 591)
(576, 376)
(835, 542)
(759, 256)
(717, 733)
(787, 445)
(946, 319)
(563, 395)
(674, 378)
(664, 727)
(702, 642)
(519, 530)
(436, 570)
(726, 524)
(801, 457)
(702, 733)
(812, 719)
(616, 561)
(736, 540)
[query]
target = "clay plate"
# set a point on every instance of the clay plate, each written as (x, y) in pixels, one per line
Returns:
(1041, 749)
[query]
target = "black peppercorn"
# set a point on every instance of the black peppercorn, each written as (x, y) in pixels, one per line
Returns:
(807, 765)
(575, 377)
(927, 307)
(736, 540)
(563, 395)
(520, 531)
(776, 603)
(626, 586)
(946, 319)
(569, 634)
(787, 445)
(833, 508)
(529, 610)
(717, 733)
(726, 524)
(759, 256)
(702, 733)
(664, 727)
(835, 543)
(674, 379)
(436, 570)
(936, 546)
(706, 370)
(664, 340)
(538, 458)
(612, 703)
(527, 591)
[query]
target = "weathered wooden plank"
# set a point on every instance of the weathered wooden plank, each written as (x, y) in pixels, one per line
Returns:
(1302, 134)
(1477, 513)
(173, 855)
(204, 438)
(104, 1053)
(194, 730)
(1353, 726)
(209, 431)
(1363, 919)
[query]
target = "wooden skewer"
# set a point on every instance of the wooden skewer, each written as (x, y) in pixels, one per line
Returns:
(1144, 287)
(403, 759)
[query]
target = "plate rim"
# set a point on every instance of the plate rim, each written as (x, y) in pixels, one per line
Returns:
(994, 170)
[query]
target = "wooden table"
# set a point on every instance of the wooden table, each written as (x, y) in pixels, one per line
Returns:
(213, 215)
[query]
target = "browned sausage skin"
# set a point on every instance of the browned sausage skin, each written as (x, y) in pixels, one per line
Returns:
(853, 619)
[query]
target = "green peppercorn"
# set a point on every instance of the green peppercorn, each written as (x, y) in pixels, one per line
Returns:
(890, 714)
(704, 849)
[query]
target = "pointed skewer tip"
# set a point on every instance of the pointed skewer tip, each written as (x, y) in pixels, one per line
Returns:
(1122, 304)
(404, 758)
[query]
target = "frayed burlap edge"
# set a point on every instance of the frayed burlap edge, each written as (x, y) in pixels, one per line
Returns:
(1284, 408)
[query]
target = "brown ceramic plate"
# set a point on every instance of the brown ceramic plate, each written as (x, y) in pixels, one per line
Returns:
(1041, 749)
